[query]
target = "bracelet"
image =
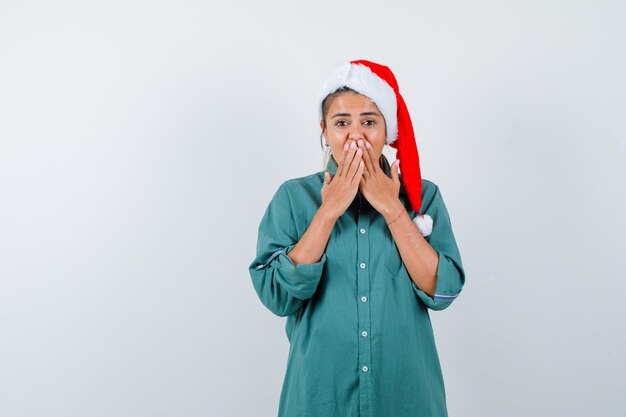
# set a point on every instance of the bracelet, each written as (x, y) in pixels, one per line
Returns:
(403, 210)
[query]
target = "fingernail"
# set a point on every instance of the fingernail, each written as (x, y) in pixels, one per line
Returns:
(368, 145)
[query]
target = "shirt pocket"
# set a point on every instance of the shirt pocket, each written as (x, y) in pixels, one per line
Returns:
(393, 261)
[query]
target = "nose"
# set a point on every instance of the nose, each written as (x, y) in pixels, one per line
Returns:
(356, 132)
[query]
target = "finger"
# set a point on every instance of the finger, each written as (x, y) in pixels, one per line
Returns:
(327, 178)
(343, 158)
(354, 163)
(367, 158)
(373, 162)
(342, 164)
(348, 160)
(366, 173)
(358, 176)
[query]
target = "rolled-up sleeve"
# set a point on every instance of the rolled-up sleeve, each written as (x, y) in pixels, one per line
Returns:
(450, 272)
(281, 285)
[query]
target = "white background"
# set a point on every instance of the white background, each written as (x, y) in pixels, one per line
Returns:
(141, 141)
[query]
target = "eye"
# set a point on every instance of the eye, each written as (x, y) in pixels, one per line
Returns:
(341, 123)
(369, 122)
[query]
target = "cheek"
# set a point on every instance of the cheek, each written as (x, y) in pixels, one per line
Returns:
(378, 142)
(382, 133)
(379, 148)
(336, 142)
(336, 148)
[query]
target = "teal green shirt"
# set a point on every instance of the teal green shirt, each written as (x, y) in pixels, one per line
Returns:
(361, 340)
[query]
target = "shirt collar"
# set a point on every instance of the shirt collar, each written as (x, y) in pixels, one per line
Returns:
(331, 167)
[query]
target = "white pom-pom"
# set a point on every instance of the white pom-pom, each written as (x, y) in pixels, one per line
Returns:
(424, 224)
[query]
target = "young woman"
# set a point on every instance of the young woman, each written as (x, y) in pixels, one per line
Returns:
(354, 256)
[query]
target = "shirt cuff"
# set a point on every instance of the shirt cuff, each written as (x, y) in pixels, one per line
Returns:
(300, 280)
(448, 288)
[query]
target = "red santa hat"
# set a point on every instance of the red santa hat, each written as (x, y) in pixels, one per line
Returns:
(378, 83)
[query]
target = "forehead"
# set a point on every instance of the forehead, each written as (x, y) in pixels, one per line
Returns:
(351, 103)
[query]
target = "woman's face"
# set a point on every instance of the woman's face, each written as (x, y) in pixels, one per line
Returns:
(352, 117)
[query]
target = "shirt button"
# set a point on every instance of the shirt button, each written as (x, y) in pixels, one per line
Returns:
(364, 333)
(365, 368)
(362, 265)
(364, 298)
(362, 231)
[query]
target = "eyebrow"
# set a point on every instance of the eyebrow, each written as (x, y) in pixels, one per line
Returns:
(367, 113)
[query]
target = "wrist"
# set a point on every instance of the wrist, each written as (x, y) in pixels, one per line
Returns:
(326, 214)
(393, 211)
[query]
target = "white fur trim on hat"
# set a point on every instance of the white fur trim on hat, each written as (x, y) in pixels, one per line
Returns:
(424, 224)
(360, 78)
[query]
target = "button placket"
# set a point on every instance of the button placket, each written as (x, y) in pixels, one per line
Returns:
(364, 313)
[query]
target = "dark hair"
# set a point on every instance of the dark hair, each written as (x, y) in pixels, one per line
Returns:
(326, 104)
